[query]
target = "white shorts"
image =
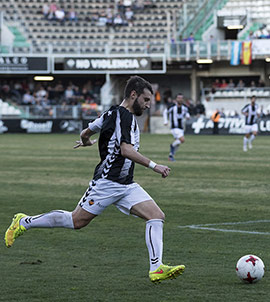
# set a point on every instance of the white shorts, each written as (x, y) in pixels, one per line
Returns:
(103, 192)
(177, 133)
(251, 128)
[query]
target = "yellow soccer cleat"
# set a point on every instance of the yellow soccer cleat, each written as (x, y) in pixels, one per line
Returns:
(166, 272)
(15, 229)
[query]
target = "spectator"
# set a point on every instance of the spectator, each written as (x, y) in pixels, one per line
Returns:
(129, 15)
(216, 85)
(42, 95)
(121, 8)
(102, 20)
(95, 17)
(261, 83)
(69, 94)
(222, 114)
(118, 21)
(224, 84)
(166, 95)
(45, 10)
(127, 3)
(231, 84)
(250, 36)
(72, 15)
(60, 15)
(157, 100)
(28, 98)
(252, 84)
(240, 84)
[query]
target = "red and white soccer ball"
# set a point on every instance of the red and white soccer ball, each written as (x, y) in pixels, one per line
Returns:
(250, 268)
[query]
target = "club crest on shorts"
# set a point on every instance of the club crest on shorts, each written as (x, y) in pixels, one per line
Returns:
(91, 202)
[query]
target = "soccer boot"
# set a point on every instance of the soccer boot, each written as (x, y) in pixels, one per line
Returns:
(171, 158)
(245, 148)
(166, 272)
(15, 229)
(250, 145)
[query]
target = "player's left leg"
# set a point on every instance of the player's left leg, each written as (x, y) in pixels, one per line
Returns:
(179, 138)
(253, 135)
(149, 211)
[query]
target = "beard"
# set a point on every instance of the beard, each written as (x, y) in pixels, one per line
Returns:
(137, 108)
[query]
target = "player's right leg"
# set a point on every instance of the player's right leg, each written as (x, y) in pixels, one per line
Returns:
(55, 219)
(245, 142)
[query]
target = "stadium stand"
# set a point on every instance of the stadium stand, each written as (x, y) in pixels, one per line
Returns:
(93, 30)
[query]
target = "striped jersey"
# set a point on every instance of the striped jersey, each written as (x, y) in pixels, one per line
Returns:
(176, 115)
(252, 111)
(117, 125)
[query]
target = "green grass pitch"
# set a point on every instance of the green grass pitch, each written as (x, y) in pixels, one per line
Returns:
(212, 182)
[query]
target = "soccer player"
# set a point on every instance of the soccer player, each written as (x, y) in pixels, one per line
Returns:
(251, 128)
(113, 180)
(177, 112)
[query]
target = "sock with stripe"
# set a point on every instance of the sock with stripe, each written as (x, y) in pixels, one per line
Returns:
(154, 242)
(54, 219)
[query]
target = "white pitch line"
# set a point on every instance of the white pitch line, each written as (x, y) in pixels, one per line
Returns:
(207, 228)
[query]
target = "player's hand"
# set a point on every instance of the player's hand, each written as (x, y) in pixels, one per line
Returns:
(165, 124)
(87, 143)
(163, 170)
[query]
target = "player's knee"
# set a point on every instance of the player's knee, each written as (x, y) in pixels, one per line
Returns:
(182, 140)
(78, 224)
(160, 215)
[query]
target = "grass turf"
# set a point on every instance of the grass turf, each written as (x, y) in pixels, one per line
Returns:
(212, 181)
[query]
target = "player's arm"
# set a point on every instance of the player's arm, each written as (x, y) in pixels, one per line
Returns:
(93, 128)
(165, 116)
(85, 138)
(128, 151)
(187, 116)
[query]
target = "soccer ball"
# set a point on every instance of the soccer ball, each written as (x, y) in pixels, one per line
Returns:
(250, 269)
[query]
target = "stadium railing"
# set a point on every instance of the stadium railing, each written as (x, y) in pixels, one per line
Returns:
(49, 112)
(186, 51)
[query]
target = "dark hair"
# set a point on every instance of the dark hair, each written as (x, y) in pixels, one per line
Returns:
(253, 97)
(138, 84)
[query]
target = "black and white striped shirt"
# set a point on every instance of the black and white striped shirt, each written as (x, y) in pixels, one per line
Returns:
(252, 111)
(177, 115)
(117, 125)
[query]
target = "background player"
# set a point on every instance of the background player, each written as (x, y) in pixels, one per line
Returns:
(113, 180)
(177, 112)
(251, 127)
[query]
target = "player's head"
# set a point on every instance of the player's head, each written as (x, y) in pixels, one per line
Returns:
(179, 98)
(139, 92)
(253, 99)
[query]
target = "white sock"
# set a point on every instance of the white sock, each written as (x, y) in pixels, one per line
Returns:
(245, 141)
(54, 219)
(176, 143)
(252, 137)
(154, 242)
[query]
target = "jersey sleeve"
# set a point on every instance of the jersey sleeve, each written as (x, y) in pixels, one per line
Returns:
(126, 120)
(96, 125)
(165, 116)
(245, 109)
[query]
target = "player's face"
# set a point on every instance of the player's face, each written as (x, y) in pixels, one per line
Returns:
(179, 99)
(142, 102)
(253, 100)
